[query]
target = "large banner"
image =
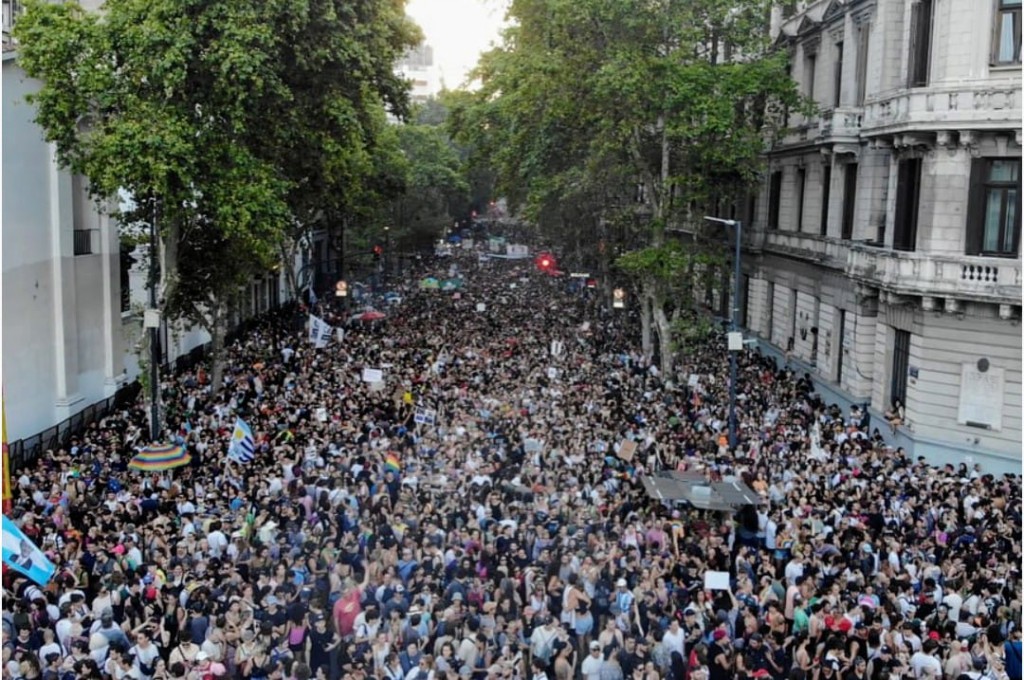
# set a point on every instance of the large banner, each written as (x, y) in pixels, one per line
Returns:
(21, 554)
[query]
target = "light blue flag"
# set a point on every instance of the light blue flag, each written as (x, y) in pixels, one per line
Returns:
(243, 444)
(21, 554)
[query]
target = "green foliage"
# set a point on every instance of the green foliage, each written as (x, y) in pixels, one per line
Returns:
(237, 121)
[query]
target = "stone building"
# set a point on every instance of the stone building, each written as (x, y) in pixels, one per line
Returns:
(883, 255)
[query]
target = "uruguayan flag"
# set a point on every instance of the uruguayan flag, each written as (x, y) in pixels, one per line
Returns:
(319, 332)
(243, 444)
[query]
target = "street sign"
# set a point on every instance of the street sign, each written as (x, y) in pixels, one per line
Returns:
(341, 289)
(618, 298)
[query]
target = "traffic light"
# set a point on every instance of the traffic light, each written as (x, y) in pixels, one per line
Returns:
(545, 262)
(377, 252)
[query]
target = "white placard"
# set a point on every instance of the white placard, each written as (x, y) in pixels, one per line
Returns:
(373, 375)
(481, 307)
(981, 396)
(693, 380)
(532, 445)
(552, 373)
(557, 347)
(321, 414)
(735, 341)
(716, 580)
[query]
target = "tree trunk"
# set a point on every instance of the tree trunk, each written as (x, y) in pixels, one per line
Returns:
(646, 338)
(664, 330)
(217, 332)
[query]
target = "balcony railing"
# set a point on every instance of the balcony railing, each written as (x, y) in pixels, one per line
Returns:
(973, 107)
(830, 252)
(986, 279)
(840, 124)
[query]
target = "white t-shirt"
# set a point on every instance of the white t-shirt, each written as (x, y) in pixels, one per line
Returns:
(675, 642)
(592, 667)
(922, 663)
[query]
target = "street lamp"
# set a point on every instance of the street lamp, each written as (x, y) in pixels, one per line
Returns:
(734, 347)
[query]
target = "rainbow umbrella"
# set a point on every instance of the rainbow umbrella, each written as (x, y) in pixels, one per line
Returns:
(157, 458)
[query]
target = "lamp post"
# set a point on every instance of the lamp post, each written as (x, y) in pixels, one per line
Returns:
(734, 323)
(152, 321)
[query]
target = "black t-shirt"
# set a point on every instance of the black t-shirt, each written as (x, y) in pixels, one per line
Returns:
(716, 672)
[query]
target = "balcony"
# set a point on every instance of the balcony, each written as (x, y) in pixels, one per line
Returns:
(977, 106)
(826, 251)
(840, 125)
(983, 279)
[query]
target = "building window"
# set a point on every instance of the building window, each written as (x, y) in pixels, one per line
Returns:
(849, 199)
(774, 195)
(863, 36)
(82, 241)
(1006, 45)
(801, 183)
(810, 65)
(826, 191)
(908, 198)
(900, 365)
(920, 42)
(993, 214)
(126, 283)
(837, 88)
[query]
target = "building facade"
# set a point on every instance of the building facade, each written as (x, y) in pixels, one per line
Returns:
(418, 67)
(884, 252)
(72, 293)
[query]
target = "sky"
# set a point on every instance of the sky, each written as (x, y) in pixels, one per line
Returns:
(458, 30)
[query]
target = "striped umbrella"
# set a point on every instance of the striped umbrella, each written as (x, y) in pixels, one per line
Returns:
(157, 458)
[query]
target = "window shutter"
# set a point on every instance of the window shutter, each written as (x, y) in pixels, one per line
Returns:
(975, 208)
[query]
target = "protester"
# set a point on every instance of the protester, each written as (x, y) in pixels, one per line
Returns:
(470, 516)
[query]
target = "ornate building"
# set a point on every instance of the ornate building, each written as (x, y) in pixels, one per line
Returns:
(884, 252)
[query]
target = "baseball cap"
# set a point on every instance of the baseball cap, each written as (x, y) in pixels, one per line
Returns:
(595, 646)
(621, 583)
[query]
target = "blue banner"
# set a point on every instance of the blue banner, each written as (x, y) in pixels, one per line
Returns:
(21, 554)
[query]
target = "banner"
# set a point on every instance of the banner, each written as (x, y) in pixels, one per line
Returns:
(21, 554)
(425, 416)
(373, 375)
(319, 332)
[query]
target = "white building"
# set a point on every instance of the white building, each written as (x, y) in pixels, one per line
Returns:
(71, 296)
(419, 68)
(885, 249)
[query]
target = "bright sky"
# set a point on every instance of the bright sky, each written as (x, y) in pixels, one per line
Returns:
(458, 30)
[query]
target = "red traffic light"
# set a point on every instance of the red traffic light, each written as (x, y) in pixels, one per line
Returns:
(545, 262)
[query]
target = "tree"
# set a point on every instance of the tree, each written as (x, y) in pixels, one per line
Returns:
(661, 108)
(233, 122)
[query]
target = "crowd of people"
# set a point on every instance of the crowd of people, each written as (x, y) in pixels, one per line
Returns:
(469, 517)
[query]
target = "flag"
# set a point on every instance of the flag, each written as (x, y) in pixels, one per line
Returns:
(7, 497)
(392, 463)
(319, 332)
(243, 444)
(21, 554)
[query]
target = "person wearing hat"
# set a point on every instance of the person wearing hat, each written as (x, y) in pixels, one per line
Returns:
(623, 606)
(720, 655)
(109, 629)
(591, 666)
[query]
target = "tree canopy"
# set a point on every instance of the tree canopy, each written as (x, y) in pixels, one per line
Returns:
(236, 121)
(636, 113)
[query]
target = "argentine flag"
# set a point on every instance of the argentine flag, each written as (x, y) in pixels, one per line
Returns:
(243, 444)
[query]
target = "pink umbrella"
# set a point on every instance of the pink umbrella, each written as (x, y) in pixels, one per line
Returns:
(371, 315)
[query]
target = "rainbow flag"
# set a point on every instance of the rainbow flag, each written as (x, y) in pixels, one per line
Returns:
(392, 463)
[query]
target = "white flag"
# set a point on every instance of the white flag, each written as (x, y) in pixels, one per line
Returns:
(319, 331)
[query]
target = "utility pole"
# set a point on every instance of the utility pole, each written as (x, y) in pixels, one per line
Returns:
(734, 325)
(153, 323)
(387, 254)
